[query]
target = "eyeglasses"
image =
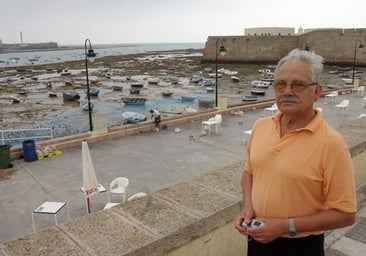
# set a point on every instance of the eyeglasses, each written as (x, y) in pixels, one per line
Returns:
(296, 86)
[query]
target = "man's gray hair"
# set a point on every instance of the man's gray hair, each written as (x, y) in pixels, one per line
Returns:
(314, 60)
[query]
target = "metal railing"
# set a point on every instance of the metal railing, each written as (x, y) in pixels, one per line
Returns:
(16, 137)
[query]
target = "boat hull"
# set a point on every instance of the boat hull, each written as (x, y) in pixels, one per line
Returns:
(133, 117)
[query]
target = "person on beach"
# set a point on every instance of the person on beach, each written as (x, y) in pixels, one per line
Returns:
(155, 114)
(298, 179)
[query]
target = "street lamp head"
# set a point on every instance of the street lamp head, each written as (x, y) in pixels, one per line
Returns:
(361, 46)
(91, 55)
(222, 50)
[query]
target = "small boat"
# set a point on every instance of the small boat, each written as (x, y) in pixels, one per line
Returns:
(94, 81)
(93, 92)
(85, 106)
(347, 80)
(135, 91)
(117, 87)
(69, 82)
(261, 84)
(137, 85)
(133, 117)
(70, 96)
(235, 79)
(195, 78)
(263, 71)
(174, 80)
(188, 98)
(227, 72)
(153, 80)
(335, 86)
(22, 91)
(65, 73)
(206, 102)
(210, 89)
(268, 77)
(208, 82)
(134, 101)
(52, 94)
(14, 99)
(250, 98)
(214, 75)
(256, 91)
(167, 93)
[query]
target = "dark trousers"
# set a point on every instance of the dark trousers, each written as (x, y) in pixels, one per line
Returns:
(304, 246)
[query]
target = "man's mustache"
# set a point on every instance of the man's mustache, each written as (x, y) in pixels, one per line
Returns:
(289, 99)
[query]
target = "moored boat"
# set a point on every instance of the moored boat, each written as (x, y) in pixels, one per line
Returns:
(135, 91)
(210, 89)
(52, 94)
(188, 98)
(137, 85)
(133, 117)
(70, 96)
(256, 91)
(250, 98)
(167, 93)
(195, 78)
(93, 92)
(134, 101)
(235, 79)
(117, 87)
(206, 102)
(261, 84)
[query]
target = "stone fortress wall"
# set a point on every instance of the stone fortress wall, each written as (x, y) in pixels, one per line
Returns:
(260, 45)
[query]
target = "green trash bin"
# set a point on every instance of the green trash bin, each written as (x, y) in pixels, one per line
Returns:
(5, 156)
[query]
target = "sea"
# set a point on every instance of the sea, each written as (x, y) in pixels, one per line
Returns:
(77, 52)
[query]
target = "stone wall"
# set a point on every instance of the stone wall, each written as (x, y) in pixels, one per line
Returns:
(337, 46)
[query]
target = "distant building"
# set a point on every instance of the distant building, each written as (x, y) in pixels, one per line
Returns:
(269, 31)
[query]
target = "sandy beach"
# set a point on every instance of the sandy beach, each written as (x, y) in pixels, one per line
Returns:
(31, 85)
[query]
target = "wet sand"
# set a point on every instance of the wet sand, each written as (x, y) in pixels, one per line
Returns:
(36, 106)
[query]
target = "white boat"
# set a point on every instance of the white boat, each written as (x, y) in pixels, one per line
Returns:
(235, 79)
(133, 117)
(260, 84)
(153, 80)
(227, 72)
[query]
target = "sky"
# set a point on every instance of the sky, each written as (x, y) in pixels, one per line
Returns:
(165, 21)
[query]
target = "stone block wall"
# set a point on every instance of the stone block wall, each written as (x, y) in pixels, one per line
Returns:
(337, 46)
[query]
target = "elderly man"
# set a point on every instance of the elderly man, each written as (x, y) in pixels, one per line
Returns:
(298, 179)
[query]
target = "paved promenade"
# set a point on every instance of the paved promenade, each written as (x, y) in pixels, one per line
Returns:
(150, 161)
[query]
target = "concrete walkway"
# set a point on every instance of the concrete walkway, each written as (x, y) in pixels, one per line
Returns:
(150, 161)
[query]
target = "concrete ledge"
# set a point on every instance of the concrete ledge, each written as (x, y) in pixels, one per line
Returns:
(176, 220)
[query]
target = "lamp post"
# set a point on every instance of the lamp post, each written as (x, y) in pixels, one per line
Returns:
(222, 52)
(89, 55)
(354, 59)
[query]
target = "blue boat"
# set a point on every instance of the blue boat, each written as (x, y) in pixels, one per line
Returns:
(206, 102)
(188, 98)
(133, 117)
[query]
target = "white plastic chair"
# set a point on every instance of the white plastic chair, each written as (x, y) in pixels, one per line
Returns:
(331, 97)
(358, 91)
(216, 120)
(273, 109)
(119, 187)
(344, 105)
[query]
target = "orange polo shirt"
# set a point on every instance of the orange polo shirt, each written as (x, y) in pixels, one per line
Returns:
(304, 172)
